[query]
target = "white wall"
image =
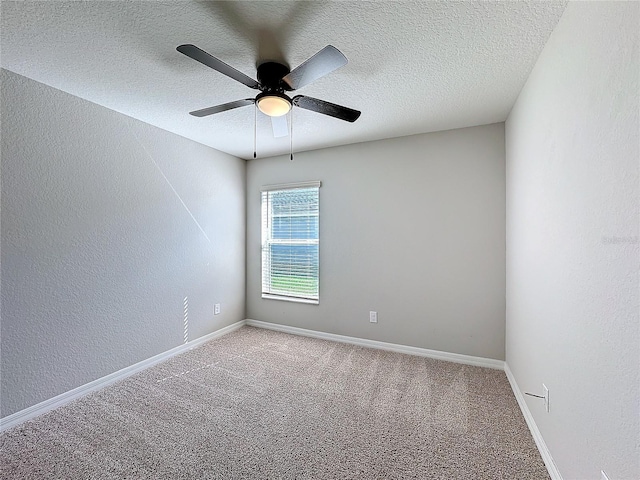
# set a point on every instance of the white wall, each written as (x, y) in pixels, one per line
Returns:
(412, 228)
(98, 250)
(572, 241)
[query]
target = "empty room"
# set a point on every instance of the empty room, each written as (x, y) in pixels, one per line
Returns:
(320, 240)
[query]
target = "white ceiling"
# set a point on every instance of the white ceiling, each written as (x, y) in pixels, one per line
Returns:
(413, 67)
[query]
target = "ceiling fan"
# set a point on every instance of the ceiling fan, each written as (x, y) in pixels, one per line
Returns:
(273, 80)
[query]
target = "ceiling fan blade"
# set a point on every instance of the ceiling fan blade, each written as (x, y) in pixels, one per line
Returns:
(326, 108)
(280, 126)
(210, 61)
(222, 108)
(325, 61)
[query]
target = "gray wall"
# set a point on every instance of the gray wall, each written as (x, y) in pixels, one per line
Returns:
(98, 250)
(572, 241)
(412, 228)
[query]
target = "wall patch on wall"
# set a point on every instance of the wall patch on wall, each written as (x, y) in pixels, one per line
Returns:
(185, 307)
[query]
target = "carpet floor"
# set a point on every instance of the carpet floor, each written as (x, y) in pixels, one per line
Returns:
(258, 404)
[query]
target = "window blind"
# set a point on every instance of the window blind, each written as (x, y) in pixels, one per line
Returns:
(290, 241)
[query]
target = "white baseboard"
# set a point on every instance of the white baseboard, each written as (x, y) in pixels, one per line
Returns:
(393, 347)
(554, 473)
(43, 407)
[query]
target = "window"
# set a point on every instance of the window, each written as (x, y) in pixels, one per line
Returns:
(290, 242)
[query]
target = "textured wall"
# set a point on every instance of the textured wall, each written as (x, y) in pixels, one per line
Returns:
(411, 227)
(107, 225)
(572, 241)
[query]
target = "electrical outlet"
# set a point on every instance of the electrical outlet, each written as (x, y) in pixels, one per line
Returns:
(216, 309)
(373, 317)
(604, 475)
(545, 391)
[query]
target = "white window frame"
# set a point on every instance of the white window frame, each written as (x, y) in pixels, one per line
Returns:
(266, 241)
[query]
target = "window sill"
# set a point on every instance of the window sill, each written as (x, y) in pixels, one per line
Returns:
(269, 296)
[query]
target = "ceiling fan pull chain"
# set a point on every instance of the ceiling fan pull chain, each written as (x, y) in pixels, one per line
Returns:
(291, 134)
(255, 128)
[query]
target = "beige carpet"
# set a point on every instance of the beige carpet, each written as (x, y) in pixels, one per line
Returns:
(257, 404)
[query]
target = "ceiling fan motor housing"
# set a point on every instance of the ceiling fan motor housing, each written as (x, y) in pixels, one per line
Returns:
(270, 77)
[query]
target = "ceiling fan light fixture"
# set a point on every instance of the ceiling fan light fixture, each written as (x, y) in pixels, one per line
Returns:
(273, 104)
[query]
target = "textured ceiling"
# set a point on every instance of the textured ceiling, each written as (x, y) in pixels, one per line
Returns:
(413, 67)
